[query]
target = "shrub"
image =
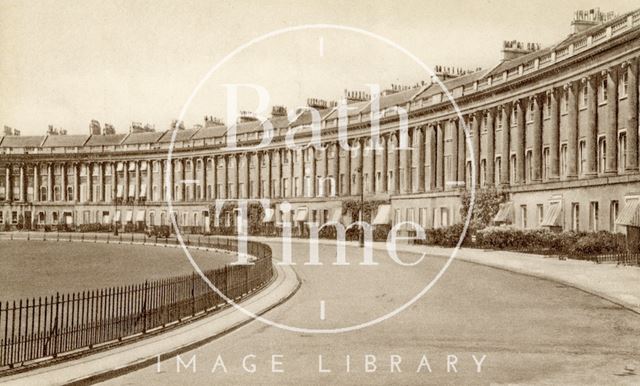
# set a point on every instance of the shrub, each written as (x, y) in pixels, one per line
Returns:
(599, 243)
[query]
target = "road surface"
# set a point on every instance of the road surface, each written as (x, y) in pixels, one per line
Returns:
(478, 325)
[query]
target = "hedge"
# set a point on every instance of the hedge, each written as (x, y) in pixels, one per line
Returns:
(568, 243)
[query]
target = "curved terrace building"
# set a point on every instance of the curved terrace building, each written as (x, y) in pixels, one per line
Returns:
(555, 128)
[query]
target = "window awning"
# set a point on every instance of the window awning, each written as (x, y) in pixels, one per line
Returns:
(132, 190)
(140, 215)
(143, 190)
(383, 216)
(268, 215)
(347, 219)
(630, 216)
(120, 167)
(116, 218)
(301, 214)
(336, 215)
(68, 218)
(106, 219)
(552, 217)
(132, 166)
(143, 166)
(128, 216)
(505, 214)
(120, 191)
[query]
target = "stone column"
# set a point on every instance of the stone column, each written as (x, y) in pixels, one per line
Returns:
(572, 130)
(432, 145)
(114, 181)
(476, 127)
(554, 128)
(89, 171)
(335, 169)
(440, 156)
(347, 165)
(23, 192)
(462, 151)
(149, 191)
(126, 182)
(536, 142)
(611, 145)
(396, 164)
(591, 139)
(292, 185)
(632, 116)
(371, 166)
(194, 179)
(521, 112)
(9, 187)
(100, 166)
(63, 181)
(76, 181)
(312, 167)
(454, 153)
(225, 165)
(246, 181)
(268, 174)
(237, 176)
(491, 147)
(36, 183)
(258, 193)
(384, 168)
(49, 182)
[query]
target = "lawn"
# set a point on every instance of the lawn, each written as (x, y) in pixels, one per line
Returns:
(40, 268)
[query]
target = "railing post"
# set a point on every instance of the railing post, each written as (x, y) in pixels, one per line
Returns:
(144, 307)
(193, 294)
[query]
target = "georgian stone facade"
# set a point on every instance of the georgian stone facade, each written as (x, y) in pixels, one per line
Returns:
(555, 126)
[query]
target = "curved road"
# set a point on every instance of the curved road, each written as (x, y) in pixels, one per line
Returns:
(531, 331)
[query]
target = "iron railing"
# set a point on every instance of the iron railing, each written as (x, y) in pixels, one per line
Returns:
(37, 329)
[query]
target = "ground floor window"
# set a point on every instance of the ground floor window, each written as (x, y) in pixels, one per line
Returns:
(523, 216)
(593, 216)
(540, 209)
(575, 217)
(14, 217)
(613, 214)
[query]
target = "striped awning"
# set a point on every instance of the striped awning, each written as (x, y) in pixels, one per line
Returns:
(268, 215)
(630, 216)
(383, 216)
(552, 217)
(301, 214)
(505, 213)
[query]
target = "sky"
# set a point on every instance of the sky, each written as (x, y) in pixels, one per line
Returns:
(64, 63)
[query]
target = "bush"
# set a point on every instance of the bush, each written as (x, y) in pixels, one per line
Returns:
(599, 243)
(447, 236)
(540, 240)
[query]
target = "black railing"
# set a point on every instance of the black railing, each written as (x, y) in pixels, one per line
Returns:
(47, 327)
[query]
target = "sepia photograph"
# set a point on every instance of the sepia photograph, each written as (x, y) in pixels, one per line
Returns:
(292, 192)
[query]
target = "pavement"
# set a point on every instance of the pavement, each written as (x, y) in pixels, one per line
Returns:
(616, 283)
